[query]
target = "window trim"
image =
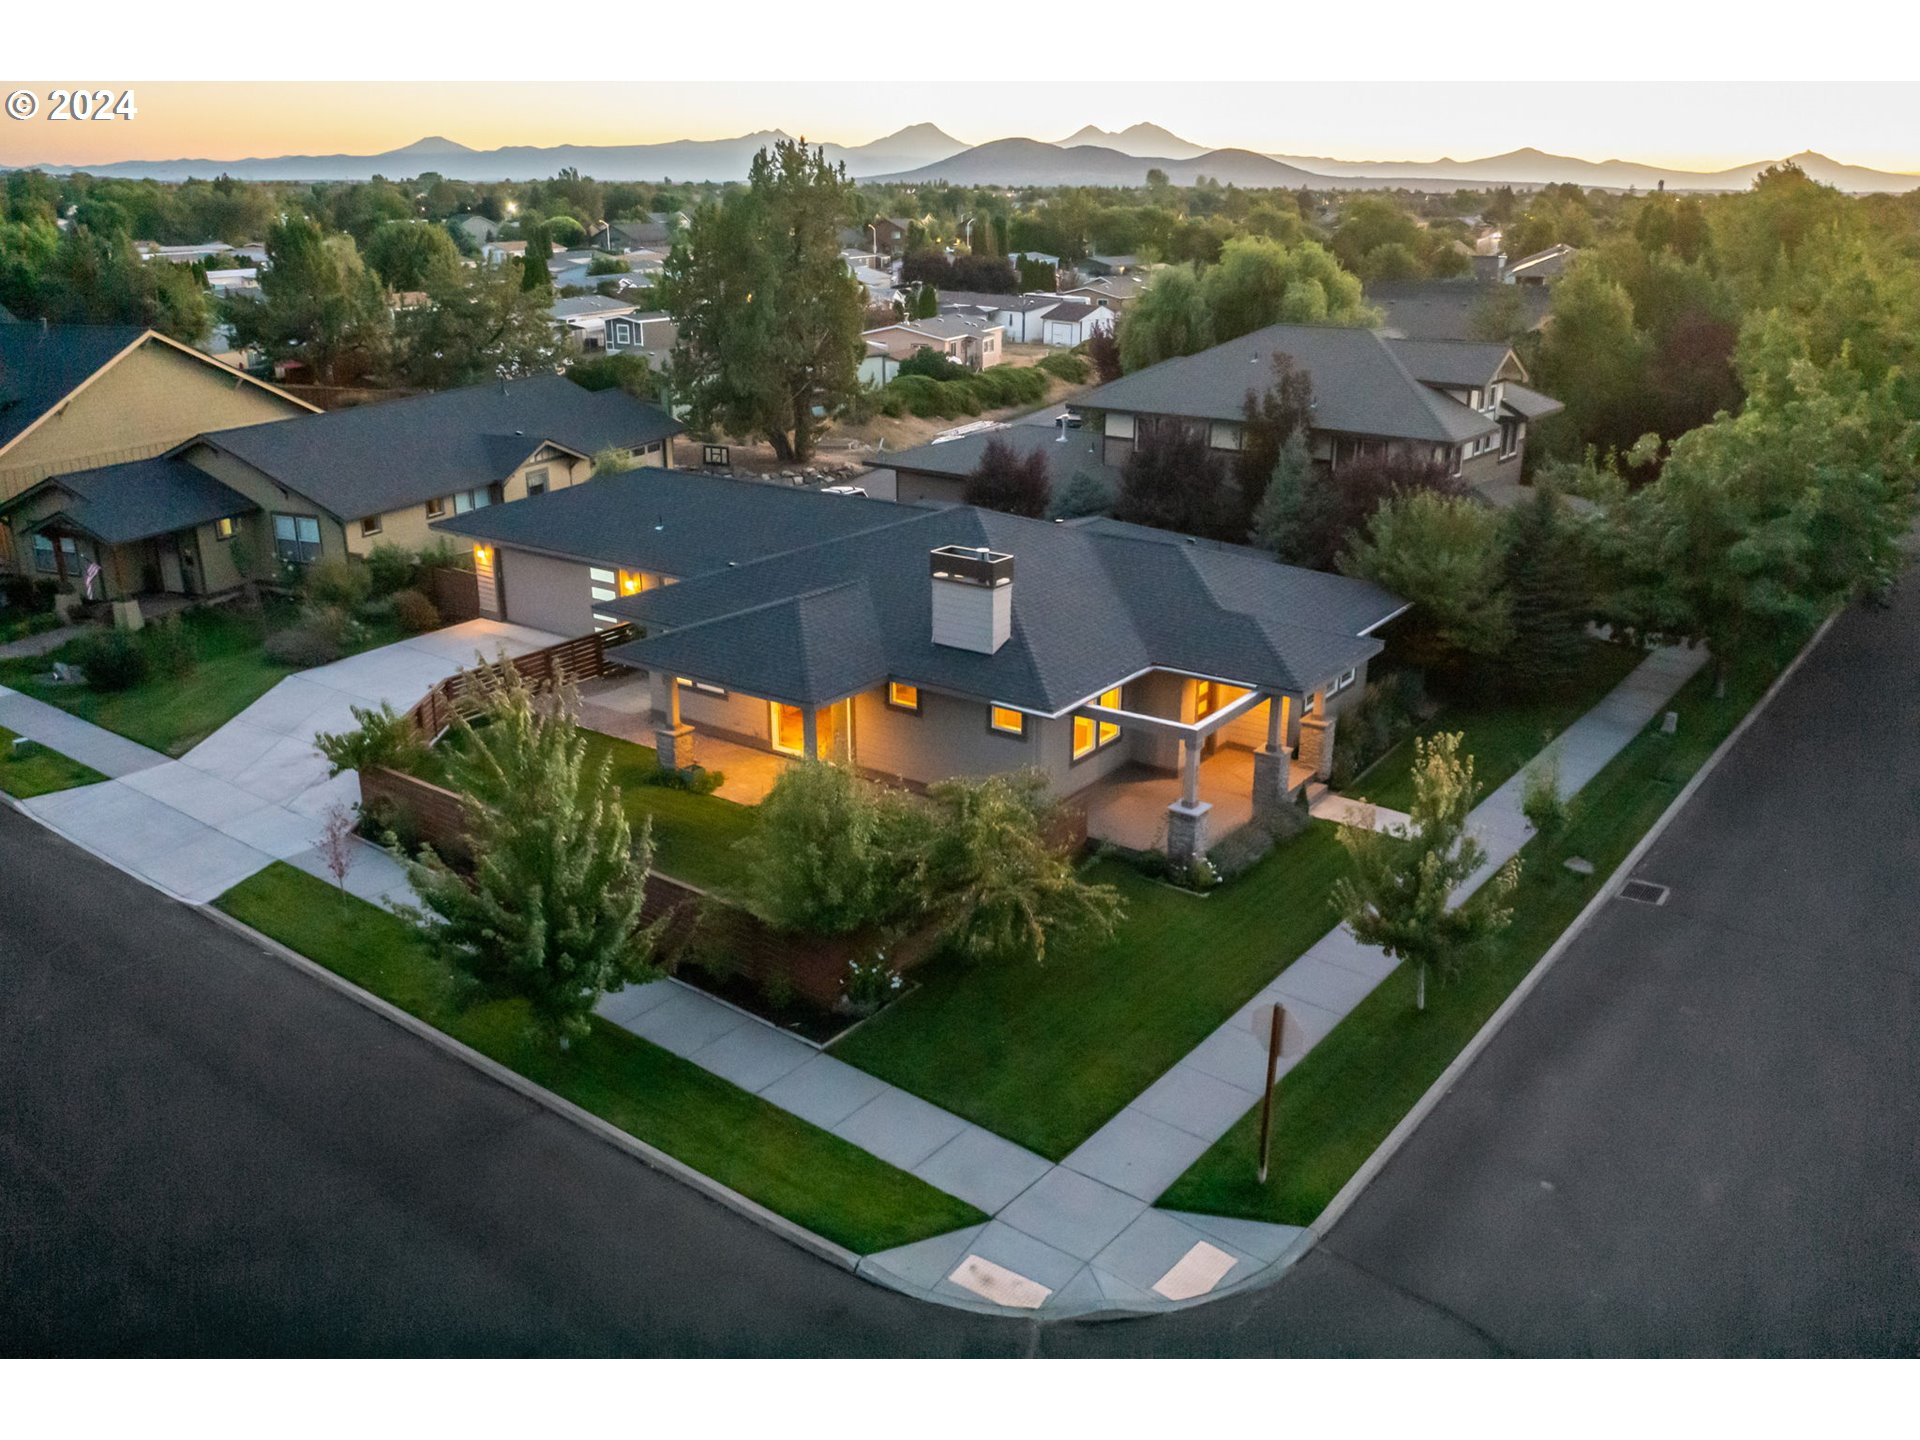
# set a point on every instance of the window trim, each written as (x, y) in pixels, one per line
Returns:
(701, 687)
(319, 539)
(370, 526)
(895, 703)
(225, 528)
(437, 507)
(994, 727)
(539, 487)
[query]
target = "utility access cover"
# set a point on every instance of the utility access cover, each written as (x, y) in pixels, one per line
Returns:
(1644, 892)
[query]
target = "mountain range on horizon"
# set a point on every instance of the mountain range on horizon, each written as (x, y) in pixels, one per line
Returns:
(924, 153)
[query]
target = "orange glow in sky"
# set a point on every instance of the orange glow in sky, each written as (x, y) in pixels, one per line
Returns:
(1696, 126)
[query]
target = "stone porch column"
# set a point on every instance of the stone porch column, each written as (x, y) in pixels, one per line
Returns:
(1273, 766)
(673, 741)
(1187, 816)
(1316, 743)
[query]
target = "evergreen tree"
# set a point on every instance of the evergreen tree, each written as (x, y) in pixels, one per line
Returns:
(1268, 420)
(535, 274)
(1550, 596)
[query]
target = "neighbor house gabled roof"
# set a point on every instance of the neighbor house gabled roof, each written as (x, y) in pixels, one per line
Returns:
(399, 453)
(1091, 606)
(1460, 363)
(1528, 404)
(1360, 385)
(671, 522)
(118, 504)
(1447, 309)
(958, 458)
(40, 366)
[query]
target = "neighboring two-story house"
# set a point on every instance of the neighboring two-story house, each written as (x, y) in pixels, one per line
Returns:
(75, 398)
(344, 482)
(1460, 403)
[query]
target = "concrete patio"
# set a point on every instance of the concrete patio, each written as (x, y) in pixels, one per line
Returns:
(1129, 807)
(622, 706)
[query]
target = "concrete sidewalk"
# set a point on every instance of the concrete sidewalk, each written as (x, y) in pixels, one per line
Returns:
(255, 791)
(1084, 1236)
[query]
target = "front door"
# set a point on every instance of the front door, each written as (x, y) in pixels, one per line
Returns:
(788, 729)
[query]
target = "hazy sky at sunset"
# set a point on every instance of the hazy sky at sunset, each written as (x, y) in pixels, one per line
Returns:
(1701, 126)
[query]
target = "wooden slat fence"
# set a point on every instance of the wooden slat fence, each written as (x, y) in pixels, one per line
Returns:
(582, 658)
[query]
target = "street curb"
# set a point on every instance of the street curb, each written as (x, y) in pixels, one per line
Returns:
(613, 1135)
(1401, 1133)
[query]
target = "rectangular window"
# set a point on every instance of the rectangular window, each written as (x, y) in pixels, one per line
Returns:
(903, 697)
(605, 622)
(1003, 721)
(601, 583)
(436, 507)
(789, 735)
(1120, 427)
(296, 538)
(536, 482)
(1109, 732)
(1083, 737)
(702, 686)
(223, 528)
(1459, 455)
(1223, 436)
(1202, 699)
(1509, 441)
(369, 526)
(1345, 680)
(477, 498)
(632, 582)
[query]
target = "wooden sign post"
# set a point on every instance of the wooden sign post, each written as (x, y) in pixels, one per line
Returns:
(1266, 1100)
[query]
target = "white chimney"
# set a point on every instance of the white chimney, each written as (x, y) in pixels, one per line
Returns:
(972, 597)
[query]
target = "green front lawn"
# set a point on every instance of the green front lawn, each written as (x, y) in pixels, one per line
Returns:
(777, 1159)
(1046, 1054)
(1501, 735)
(1336, 1106)
(40, 771)
(695, 837)
(170, 714)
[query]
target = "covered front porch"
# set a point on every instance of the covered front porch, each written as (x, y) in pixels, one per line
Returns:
(1131, 807)
(622, 706)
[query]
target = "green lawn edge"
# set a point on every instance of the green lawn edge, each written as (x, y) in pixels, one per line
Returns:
(793, 1168)
(42, 772)
(1334, 1108)
(1045, 1054)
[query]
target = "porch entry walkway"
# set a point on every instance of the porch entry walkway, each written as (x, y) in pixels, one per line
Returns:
(623, 708)
(1084, 1235)
(255, 790)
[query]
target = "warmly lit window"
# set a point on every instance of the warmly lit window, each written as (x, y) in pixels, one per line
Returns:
(1202, 699)
(1007, 722)
(632, 582)
(1109, 732)
(903, 697)
(223, 528)
(1083, 742)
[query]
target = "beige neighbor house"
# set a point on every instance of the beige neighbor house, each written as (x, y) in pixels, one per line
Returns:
(1460, 403)
(1175, 688)
(75, 398)
(972, 341)
(338, 484)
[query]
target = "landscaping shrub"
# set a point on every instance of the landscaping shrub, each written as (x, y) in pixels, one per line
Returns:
(339, 584)
(27, 593)
(1241, 851)
(382, 739)
(315, 641)
(932, 364)
(170, 649)
(111, 660)
(1392, 708)
(415, 613)
(696, 779)
(1066, 366)
(825, 858)
(443, 554)
(1542, 803)
(871, 984)
(391, 568)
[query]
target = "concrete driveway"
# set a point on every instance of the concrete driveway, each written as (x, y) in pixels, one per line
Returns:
(255, 790)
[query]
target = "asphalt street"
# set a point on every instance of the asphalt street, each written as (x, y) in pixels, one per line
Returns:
(1700, 1135)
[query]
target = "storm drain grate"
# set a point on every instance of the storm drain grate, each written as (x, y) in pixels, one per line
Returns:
(1644, 892)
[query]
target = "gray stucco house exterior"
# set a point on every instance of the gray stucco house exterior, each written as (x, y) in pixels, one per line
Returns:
(919, 643)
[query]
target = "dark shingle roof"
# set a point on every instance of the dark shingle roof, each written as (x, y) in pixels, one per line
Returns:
(959, 458)
(1091, 606)
(397, 453)
(672, 522)
(118, 504)
(1452, 362)
(1360, 386)
(1529, 404)
(40, 368)
(1446, 309)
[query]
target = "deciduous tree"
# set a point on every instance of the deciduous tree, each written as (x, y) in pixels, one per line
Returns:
(1005, 479)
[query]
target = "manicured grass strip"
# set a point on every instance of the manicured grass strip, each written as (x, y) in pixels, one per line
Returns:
(1046, 1054)
(1335, 1107)
(777, 1159)
(1501, 735)
(695, 837)
(40, 771)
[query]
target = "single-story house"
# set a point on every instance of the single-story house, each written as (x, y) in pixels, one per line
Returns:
(938, 473)
(1464, 404)
(972, 341)
(80, 397)
(345, 482)
(582, 319)
(1130, 667)
(1116, 292)
(1541, 268)
(1112, 265)
(655, 232)
(651, 333)
(1073, 322)
(877, 365)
